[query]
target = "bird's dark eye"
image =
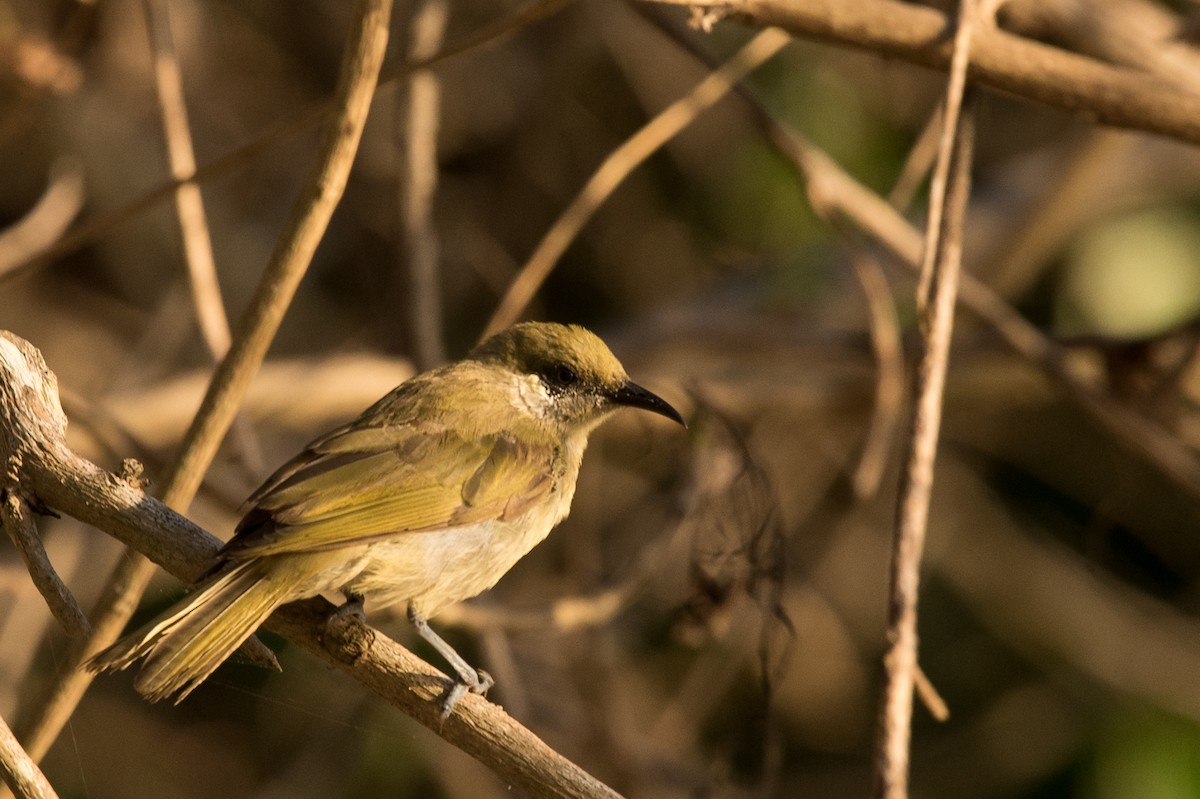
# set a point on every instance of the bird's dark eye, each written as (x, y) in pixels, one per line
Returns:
(562, 375)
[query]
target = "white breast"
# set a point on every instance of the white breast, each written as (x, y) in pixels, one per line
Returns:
(435, 568)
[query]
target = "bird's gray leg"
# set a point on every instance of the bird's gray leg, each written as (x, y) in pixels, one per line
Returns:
(477, 681)
(353, 606)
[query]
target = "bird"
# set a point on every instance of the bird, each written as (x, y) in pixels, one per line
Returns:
(428, 498)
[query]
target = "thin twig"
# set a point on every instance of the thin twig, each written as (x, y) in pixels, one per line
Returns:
(951, 106)
(419, 183)
(920, 159)
(19, 771)
(189, 206)
(889, 374)
(18, 522)
(930, 698)
(944, 252)
(619, 163)
(47, 220)
(311, 212)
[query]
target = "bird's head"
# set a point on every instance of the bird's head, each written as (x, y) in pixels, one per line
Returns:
(576, 380)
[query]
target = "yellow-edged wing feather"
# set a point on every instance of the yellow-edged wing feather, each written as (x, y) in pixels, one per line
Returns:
(359, 484)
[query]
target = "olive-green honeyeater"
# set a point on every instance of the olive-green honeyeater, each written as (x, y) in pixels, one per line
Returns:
(427, 498)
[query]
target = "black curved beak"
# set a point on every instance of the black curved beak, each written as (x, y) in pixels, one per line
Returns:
(634, 396)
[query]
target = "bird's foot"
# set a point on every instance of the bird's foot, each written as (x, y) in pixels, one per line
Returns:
(460, 687)
(347, 635)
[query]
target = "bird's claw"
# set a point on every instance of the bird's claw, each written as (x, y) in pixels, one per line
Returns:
(347, 635)
(484, 681)
(460, 687)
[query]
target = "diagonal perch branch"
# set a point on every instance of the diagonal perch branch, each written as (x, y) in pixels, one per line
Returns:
(44, 469)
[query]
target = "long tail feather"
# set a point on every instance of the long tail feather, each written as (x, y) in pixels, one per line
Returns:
(187, 642)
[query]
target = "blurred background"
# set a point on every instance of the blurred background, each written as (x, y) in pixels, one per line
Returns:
(709, 621)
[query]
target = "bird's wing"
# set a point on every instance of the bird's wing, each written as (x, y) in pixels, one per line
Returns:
(362, 484)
